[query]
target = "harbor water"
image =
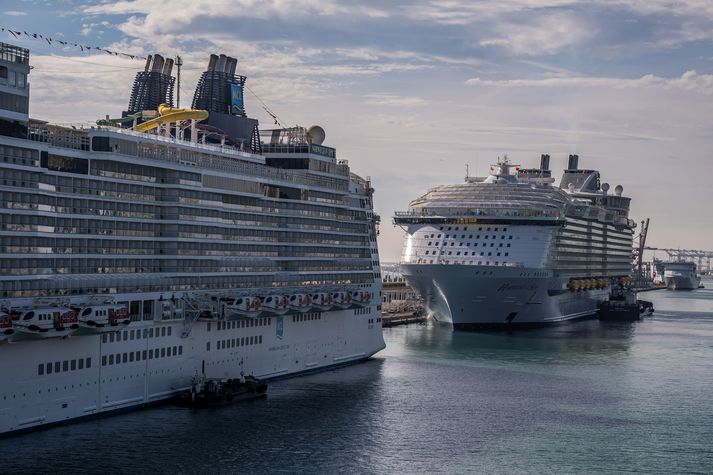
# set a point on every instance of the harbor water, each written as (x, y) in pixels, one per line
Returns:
(585, 397)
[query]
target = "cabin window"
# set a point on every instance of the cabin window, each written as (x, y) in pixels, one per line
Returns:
(41, 369)
(81, 363)
(89, 362)
(29, 316)
(163, 352)
(73, 365)
(86, 312)
(111, 359)
(57, 367)
(103, 360)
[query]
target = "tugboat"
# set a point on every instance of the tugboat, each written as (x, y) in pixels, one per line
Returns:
(218, 392)
(623, 306)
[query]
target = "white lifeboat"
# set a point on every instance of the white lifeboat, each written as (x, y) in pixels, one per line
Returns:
(244, 307)
(48, 322)
(109, 317)
(5, 326)
(278, 304)
(361, 297)
(300, 302)
(342, 299)
(322, 301)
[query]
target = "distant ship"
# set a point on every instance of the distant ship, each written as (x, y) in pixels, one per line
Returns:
(134, 259)
(513, 250)
(681, 275)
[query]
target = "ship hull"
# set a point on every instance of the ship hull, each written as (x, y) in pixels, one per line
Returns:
(493, 298)
(682, 282)
(118, 374)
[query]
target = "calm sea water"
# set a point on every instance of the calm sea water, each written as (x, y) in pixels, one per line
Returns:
(585, 397)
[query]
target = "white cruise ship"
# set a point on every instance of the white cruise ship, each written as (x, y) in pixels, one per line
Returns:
(681, 275)
(188, 243)
(514, 250)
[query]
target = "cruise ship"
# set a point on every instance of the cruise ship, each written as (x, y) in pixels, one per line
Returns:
(681, 275)
(514, 250)
(172, 244)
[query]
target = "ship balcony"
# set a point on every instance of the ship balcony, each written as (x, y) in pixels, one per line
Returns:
(479, 215)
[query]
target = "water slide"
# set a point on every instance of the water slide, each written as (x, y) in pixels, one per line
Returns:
(169, 114)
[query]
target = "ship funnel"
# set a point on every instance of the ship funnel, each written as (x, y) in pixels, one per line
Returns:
(573, 162)
(157, 63)
(220, 65)
(147, 66)
(167, 67)
(544, 161)
(212, 62)
(231, 66)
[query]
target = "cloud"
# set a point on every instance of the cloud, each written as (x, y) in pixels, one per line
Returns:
(14, 13)
(688, 81)
(394, 100)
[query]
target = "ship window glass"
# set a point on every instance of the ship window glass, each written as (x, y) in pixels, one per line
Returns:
(507, 253)
(81, 363)
(138, 356)
(73, 365)
(111, 359)
(163, 352)
(180, 350)
(41, 369)
(207, 346)
(150, 332)
(242, 341)
(163, 331)
(260, 337)
(508, 245)
(505, 229)
(28, 315)
(169, 331)
(57, 367)
(439, 235)
(86, 312)
(131, 335)
(175, 350)
(143, 354)
(131, 357)
(103, 360)
(510, 237)
(105, 338)
(111, 338)
(49, 368)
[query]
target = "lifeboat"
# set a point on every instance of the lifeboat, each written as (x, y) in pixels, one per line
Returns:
(5, 326)
(244, 307)
(104, 317)
(572, 285)
(322, 301)
(49, 322)
(300, 302)
(278, 304)
(361, 297)
(342, 299)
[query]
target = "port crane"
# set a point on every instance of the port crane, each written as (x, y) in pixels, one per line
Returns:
(700, 257)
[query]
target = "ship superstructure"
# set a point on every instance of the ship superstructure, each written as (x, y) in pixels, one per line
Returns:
(512, 249)
(681, 275)
(133, 262)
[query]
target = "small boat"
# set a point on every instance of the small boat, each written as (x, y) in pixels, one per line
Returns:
(322, 301)
(97, 317)
(243, 307)
(48, 322)
(217, 392)
(342, 299)
(300, 302)
(278, 304)
(5, 326)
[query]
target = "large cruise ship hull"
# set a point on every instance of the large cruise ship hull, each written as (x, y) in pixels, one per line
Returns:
(491, 298)
(118, 372)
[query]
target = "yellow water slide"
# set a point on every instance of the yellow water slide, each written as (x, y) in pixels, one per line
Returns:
(169, 114)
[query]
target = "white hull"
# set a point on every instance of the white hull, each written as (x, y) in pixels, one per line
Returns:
(281, 347)
(499, 296)
(682, 282)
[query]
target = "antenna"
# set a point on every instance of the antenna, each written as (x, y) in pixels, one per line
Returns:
(467, 174)
(178, 63)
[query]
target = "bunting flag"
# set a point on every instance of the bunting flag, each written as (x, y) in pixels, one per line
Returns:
(51, 41)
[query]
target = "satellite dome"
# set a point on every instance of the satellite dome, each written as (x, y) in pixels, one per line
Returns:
(605, 187)
(316, 134)
(618, 190)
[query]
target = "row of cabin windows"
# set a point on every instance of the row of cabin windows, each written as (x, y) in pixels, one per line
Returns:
(142, 355)
(374, 320)
(258, 322)
(236, 342)
(362, 311)
(62, 366)
(306, 317)
(127, 335)
(486, 236)
(450, 253)
(460, 244)
(467, 228)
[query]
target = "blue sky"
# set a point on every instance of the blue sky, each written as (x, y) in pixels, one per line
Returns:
(410, 93)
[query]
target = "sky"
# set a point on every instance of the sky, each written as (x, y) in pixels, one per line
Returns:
(412, 92)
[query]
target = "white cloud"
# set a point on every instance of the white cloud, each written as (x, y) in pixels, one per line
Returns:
(14, 13)
(394, 100)
(689, 81)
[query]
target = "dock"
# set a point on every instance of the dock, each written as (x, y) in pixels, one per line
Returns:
(389, 320)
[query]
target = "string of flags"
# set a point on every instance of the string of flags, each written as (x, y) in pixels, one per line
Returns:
(51, 41)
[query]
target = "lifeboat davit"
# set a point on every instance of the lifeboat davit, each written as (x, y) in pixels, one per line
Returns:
(102, 318)
(5, 326)
(278, 304)
(322, 301)
(49, 322)
(300, 302)
(244, 307)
